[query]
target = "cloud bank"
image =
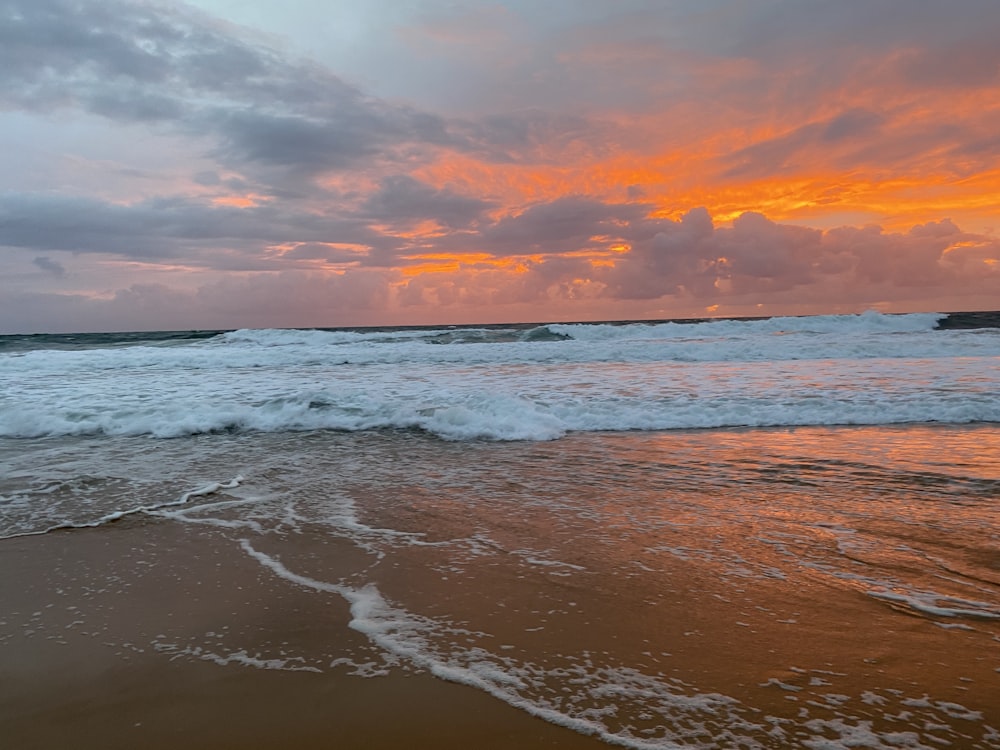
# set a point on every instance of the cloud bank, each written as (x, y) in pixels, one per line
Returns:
(173, 169)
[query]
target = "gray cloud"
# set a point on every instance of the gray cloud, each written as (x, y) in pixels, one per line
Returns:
(968, 63)
(282, 299)
(678, 257)
(330, 253)
(535, 136)
(570, 223)
(688, 262)
(757, 258)
(402, 199)
(135, 62)
(280, 124)
(778, 27)
(45, 222)
(689, 258)
(169, 228)
(49, 266)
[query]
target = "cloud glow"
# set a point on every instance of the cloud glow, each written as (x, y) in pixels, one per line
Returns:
(173, 167)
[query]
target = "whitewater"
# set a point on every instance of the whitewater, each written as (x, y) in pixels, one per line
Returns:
(507, 383)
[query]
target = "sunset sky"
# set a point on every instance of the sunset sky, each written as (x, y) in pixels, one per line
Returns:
(242, 164)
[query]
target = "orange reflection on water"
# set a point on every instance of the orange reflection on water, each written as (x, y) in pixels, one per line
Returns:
(971, 451)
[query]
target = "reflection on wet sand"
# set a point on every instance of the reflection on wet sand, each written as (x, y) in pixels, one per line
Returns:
(813, 587)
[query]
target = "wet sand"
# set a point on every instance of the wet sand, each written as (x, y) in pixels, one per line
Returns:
(79, 610)
(756, 589)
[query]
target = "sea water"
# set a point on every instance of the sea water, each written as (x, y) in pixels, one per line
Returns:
(724, 533)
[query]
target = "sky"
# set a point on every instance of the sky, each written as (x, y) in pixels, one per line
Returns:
(318, 163)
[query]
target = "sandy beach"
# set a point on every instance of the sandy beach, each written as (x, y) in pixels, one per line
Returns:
(80, 609)
(318, 608)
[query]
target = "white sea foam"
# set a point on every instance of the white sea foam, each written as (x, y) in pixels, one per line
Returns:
(521, 403)
(241, 657)
(597, 697)
(868, 322)
(117, 515)
(865, 369)
(414, 639)
(940, 606)
(614, 702)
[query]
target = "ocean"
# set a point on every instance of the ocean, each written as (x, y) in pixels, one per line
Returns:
(755, 533)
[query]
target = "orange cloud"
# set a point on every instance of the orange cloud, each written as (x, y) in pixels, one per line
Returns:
(240, 201)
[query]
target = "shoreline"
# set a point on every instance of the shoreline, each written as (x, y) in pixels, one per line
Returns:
(702, 590)
(76, 667)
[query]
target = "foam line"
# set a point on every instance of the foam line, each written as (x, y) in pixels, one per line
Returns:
(208, 489)
(917, 603)
(404, 636)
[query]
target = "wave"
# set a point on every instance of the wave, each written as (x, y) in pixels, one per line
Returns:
(510, 383)
(824, 337)
(502, 417)
(318, 337)
(867, 322)
(82, 341)
(312, 337)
